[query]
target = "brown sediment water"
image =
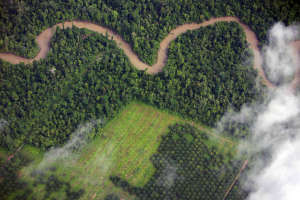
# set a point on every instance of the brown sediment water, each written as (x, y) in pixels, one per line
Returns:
(296, 48)
(43, 41)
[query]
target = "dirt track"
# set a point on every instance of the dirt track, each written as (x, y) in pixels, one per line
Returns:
(44, 38)
(236, 178)
(43, 41)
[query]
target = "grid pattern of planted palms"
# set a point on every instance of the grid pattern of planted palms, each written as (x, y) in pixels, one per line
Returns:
(188, 167)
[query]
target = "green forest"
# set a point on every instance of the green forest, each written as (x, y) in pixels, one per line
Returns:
(95, 79)
(142, 23)
(86, 77)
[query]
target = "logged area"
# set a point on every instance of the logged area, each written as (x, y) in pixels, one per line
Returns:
(148, 99)
(124, 149)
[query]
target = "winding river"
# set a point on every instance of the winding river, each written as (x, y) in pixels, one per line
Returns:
(43, 41)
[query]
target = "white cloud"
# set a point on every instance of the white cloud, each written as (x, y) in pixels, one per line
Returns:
(279, 64)
(274, 125)
(281, 179)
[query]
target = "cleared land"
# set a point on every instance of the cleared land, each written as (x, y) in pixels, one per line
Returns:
(123, 149)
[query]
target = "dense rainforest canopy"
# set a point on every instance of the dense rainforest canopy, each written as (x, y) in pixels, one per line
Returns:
(142, 23)
(86, 76)
(205, 74)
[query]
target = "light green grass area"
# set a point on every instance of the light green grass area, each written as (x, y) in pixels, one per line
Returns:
(123, 149)
(32, 153)
(3, 156)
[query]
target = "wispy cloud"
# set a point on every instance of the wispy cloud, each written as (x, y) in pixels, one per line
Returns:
(274, 125)
(77, 140)
(278, 54)
(3, 123)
